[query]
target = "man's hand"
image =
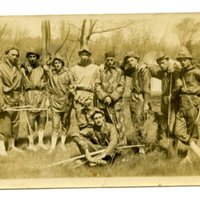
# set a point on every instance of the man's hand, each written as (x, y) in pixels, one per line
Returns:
(45, 67)
(101, 156)
(29, 68)
(179, 83)
(142, 67)
(22, 70)
(2, 107)
(107, 101)
(96, 160)
(146, 107)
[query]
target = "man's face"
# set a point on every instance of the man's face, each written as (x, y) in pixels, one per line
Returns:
(132, 62)
(185, 62)
(58, 64)
(13, 56)
(84, 56)
(98, 119)
(110, 61)
(164, 63)
(32, 58)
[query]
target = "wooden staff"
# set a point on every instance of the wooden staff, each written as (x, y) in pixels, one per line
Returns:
(70, 160)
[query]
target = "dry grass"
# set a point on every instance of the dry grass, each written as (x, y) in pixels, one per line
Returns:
(129, 164)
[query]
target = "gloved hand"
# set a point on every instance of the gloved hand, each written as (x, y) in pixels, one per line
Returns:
(29, 68)
(101, 156)
(179, 83)
(107, 101)
(2, 107)
(146, 107)
(45, 67)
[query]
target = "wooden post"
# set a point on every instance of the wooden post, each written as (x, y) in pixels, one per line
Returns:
(46, 40)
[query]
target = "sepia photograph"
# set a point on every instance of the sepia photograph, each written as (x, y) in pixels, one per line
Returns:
(99, 100)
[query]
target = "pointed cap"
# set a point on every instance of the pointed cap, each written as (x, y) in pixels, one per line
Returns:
(85, 49)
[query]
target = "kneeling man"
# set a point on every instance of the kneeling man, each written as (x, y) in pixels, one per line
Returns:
(101, 135)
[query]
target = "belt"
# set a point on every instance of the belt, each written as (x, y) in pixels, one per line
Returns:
(84, 89)
(12, 91)
(190, 94)
(33, 89)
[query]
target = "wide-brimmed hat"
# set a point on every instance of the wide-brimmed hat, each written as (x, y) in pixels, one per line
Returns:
(131, 54)
(12, 48)
(161, 56)
(84, 49)
(59, 57)
(33, 51)
(183, 53)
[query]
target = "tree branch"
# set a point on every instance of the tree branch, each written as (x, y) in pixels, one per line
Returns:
(82, 32)
(91, 30)
(62, 44)
(111, 29)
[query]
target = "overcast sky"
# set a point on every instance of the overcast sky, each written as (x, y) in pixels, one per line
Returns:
(162, 25)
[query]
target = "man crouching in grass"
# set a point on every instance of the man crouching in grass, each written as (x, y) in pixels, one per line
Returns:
(101, 135)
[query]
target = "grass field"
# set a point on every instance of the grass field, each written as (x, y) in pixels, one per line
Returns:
(129, 164)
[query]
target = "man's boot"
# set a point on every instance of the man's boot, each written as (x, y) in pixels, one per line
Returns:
(187, 159)
(12, 147)
(40, 140)
(31, 145)
(62, 144)
(195, 148)
(2, 148)
(53, 143)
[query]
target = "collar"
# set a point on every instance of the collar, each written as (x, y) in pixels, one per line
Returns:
(9, 63)
(191, 67)
(85, 64)
(109, 68)
(58, 73)
(99, 128)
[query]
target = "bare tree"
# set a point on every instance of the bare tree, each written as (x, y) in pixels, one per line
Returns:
(186, 30)
(91, 27)
(140, 38)
(3, 30)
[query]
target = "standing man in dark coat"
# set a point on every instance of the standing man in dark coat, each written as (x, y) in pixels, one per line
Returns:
(109, 92)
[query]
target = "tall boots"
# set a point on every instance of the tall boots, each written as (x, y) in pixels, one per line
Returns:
(31, 145)
(193, 148)
(62, 145)
(12, 147)
(2, 148)
(54, 139)
(40, 140)
(53, 142)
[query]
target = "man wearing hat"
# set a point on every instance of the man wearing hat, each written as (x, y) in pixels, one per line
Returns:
(140, 93)
(187, 118)
(61, 95)
(167, 71)
(85, 75)
(103, 135)
(109, 92)
(10, 95)
(35, 84)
